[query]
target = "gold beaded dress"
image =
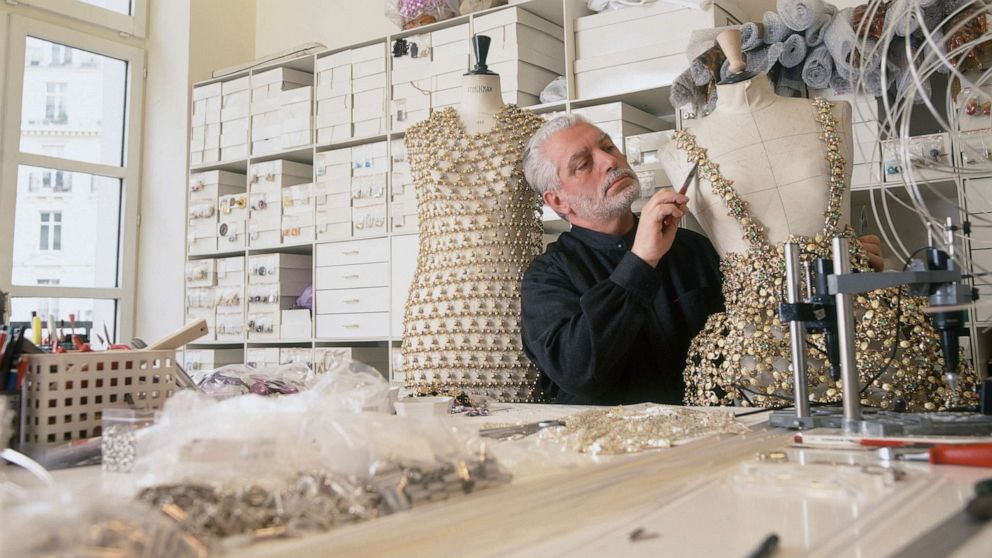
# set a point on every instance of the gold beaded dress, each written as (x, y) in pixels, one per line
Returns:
(742, 356)
(479, 229)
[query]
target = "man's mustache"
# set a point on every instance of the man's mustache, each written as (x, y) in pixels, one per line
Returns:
(613, 176)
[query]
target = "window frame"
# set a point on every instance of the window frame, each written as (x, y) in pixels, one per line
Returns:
(49, 219)
(12, 59)
(128, 25)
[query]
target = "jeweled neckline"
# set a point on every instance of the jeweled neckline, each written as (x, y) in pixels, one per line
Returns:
(452, 113)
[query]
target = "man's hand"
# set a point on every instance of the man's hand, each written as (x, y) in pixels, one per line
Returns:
(873, 245)
(659, 222)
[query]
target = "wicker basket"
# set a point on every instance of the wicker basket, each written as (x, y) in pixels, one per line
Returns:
(64, 395)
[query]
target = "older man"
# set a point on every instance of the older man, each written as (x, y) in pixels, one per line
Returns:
(609, 310)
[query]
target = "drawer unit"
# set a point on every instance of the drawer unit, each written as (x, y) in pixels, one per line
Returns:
(352, 252)
(353, 326)
(344, 301)
(352, 276)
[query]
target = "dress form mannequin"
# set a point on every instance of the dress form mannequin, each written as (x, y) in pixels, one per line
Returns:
(482, 97)
(771, 147)
(772, 170)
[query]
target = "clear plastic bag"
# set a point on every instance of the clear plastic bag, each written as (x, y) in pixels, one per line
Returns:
(240, 379)
(57, 524)
(408, 14)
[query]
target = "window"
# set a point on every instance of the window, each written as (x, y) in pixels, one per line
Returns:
(51, 231)
(70, 254)
(125, 16)
(55, 103)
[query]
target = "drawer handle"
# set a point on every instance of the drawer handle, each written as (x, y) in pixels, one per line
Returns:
(352, 301)
(352, 252)
(352, 326)
(352, 276)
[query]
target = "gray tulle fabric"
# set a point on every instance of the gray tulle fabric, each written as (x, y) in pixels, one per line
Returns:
(799, 15)
(752, 36)
(775, 30)
(793, 51)
(810, 43)
(819, 68)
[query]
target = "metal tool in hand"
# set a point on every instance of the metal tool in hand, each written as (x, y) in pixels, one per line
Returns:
(685, 186)
(519, 431)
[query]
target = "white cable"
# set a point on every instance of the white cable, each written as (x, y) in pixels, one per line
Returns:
(32, 466)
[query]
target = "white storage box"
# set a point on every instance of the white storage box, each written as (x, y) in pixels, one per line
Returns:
(291, 355)
(418, 53)
(620, 120)
(230, 326)
(623, 50)
(642, 152)
(201, 273)
(453, 41)
(200, 242)
(325, 358)
(297, 228)
(333, 231)
(520, 35)
(273, 268)
(333, 134)
(262, 358)
(232, 235)
(233, 207)
(295, 324)
(234, 152)
(270, 297)
(368, 220)
(263, 235)
(229, 299)
(196, 360)
(265, 209)
(230, 271)
(368, 60)
(334, 111)
(333, 75)
(278, 174)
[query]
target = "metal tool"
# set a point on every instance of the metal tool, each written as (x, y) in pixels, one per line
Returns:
(519, 431)
(688, 179)
(863, 222)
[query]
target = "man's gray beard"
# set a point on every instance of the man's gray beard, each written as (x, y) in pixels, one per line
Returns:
(608, 208)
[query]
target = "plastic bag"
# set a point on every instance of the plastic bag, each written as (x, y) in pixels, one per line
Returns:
(240, 379)
(58, 524)
(408, 14)
(554, 91)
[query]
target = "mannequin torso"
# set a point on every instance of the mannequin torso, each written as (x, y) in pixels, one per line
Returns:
(482, 99)
(770, 147)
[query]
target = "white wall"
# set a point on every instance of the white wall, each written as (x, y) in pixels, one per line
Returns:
(282, 24)
(187, 40)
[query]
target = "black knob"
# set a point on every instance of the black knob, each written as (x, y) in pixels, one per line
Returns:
(480, 44)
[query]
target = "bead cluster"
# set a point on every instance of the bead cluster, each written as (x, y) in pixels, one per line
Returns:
(634, 429)
(479, 230)
(742, 356)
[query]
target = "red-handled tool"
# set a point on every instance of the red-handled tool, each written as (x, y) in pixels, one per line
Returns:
(968, 455)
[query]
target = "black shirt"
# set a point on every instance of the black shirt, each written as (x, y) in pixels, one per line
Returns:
(605, 328)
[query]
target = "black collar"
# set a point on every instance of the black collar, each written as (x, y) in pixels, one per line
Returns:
(603, 241)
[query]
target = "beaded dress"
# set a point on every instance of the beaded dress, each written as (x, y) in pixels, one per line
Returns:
(742, 356)
(479, 229)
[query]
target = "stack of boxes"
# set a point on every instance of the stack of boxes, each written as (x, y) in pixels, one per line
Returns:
(230, 299)
(234, 119)
(527, 52)
(642, 151)
(280, 110)
(267, 182)
(333, 98)
(274, 283)
(201, 278)
(403, 192)
(332, 194)
(620, 120)
(204, 142)
(370, 165)
(205, 191)
(368, 90)
(617, 51)
(412, 74)
(451, 54)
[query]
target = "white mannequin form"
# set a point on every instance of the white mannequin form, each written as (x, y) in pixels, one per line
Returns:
(482, 99)
(770, 147)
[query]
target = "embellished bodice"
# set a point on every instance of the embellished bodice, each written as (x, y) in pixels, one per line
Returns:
(479, 229)
(742, 356)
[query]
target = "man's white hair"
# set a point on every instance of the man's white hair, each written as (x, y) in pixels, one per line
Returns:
(540, 172)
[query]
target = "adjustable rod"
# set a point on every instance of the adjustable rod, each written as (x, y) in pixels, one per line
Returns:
(797, 332)
(845, 333)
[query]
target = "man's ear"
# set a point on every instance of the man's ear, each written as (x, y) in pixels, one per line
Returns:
(556, 201)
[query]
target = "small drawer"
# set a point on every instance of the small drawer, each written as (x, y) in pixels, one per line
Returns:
(353, 276)
(201, 273)
(353, 326)
(357, 252)
(375, 299)
(231, 236)
(231, 271)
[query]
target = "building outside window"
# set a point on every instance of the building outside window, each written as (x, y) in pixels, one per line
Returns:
(55, 98)
(50, 237)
